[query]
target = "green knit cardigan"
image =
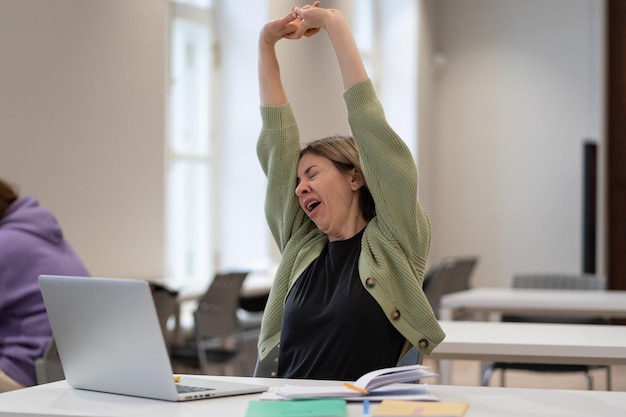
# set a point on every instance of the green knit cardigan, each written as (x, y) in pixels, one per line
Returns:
(395, 243)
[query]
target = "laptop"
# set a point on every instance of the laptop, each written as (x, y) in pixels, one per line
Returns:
(109, 340)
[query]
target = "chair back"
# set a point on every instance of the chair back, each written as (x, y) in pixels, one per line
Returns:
(451, 275)
(48, 367)
(166, 305)
(268, 367)
(413, 357)
(216, 314)
(558, 281)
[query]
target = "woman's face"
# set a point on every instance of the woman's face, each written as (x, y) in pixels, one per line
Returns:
(330, 197)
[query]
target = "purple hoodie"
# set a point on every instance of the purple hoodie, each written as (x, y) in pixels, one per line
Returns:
(31, 244)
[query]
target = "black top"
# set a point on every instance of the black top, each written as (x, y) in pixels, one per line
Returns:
(332, 327)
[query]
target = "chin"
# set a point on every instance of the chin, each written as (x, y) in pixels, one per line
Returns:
(322, 229)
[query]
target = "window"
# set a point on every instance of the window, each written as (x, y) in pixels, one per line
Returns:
(190, 156)
(386, 33)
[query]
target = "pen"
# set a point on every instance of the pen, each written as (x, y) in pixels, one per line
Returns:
(355, 388)
(366, 407)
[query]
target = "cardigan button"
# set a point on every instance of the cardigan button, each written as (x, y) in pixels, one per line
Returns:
(423, 344)
(395, 314)
(370, 282)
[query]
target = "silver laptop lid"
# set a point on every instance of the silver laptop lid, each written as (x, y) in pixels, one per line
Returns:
(108, 335)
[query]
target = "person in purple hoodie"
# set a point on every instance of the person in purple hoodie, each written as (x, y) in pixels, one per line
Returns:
(31, 244)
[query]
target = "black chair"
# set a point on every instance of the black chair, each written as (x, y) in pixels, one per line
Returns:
(558, 282)
(452, 274)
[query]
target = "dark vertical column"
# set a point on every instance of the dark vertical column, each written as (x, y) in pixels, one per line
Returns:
(590, 212)
(616, 144)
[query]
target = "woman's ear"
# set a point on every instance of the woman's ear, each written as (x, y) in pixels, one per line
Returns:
(357, 180)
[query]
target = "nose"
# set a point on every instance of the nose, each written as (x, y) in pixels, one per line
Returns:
(302, 188)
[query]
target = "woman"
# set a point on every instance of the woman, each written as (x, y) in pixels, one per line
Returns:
(31, 244)
(347, 295)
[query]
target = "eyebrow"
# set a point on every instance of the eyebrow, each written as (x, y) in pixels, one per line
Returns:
(306, 172)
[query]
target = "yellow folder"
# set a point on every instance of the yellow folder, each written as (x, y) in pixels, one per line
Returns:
(419, 408)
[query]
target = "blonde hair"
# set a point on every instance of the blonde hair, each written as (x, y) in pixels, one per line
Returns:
(342, 152)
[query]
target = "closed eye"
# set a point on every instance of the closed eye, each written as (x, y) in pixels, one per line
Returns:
(309, 177)
(309, 173)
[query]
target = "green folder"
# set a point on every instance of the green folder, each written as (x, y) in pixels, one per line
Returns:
(297, 408)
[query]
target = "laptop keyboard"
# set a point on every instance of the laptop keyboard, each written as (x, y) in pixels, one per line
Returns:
(184, 389)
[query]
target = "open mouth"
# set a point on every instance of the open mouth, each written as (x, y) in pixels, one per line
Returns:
(312, 205)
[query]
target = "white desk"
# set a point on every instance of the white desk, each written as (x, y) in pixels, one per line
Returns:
(492, 302)
(585, 344)
(534, 301)
(58, 399)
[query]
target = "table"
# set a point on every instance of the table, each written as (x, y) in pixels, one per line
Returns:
(586, 344)
(492, 302)
(58, 399)
(544, 302)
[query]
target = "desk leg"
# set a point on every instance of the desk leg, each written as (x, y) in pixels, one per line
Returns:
(494, 316)
(445, 367)
(482, 368)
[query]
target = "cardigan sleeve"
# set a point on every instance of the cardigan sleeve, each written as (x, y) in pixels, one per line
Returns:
(390, 173)
(278, 148)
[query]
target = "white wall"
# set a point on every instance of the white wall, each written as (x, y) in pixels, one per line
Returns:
(427, 77)
(81, 123)
(502, 166)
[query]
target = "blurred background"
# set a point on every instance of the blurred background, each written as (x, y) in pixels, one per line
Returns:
(135, 122)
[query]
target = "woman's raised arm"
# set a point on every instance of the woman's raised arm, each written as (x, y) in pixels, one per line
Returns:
(271, 90)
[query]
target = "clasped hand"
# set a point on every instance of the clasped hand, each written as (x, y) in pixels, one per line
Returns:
(300, 21)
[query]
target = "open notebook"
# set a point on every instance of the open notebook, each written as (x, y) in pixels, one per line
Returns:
(109, 340)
